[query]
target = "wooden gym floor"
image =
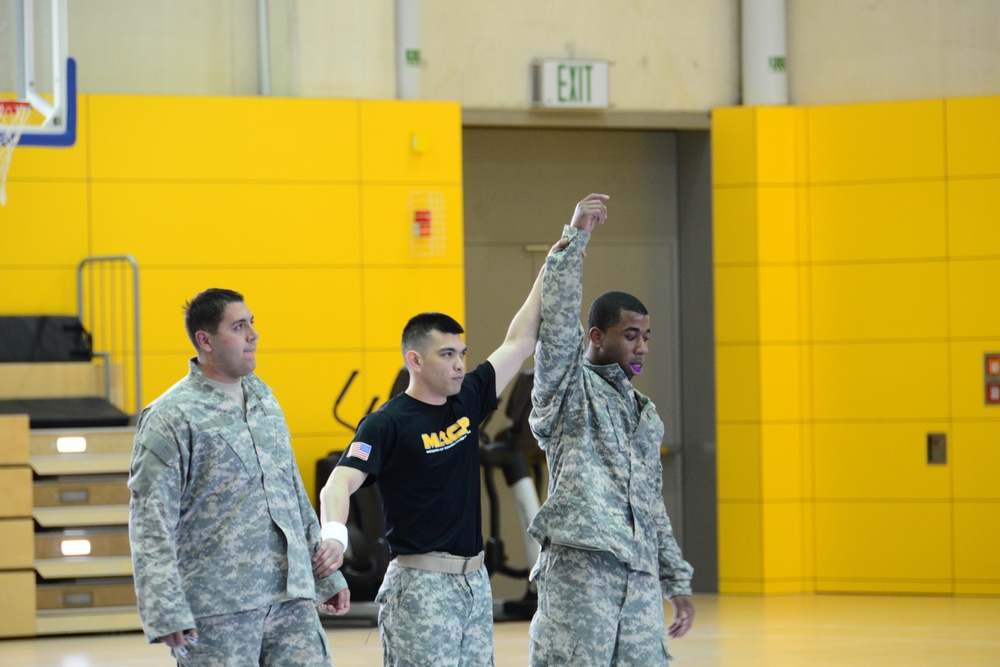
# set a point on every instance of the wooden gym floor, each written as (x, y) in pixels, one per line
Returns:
(793, 631)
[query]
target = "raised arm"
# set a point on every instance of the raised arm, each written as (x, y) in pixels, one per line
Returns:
(559, 358)
(522, 335)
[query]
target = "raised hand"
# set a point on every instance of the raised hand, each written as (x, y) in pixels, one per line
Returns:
(590, 212)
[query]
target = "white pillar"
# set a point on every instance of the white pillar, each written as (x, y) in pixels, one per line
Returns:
(408, 59)
(263, 49)
(763, 50)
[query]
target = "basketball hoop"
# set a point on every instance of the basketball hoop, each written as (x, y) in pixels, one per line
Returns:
(13, 116)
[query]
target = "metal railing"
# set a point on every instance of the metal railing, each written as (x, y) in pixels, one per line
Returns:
(107, 298)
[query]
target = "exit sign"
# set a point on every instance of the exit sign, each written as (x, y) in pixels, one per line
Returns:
(570, 84)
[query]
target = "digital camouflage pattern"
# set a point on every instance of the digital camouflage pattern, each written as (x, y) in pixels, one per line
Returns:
(219, 520)
(597, 586)
(288, 634)
(602, 442)
(433, 618)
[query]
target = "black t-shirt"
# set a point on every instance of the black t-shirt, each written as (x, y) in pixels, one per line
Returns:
(425, 460)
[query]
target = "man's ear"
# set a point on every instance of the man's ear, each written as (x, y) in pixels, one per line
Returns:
(203, 340)
(596, 337)
(412, 358)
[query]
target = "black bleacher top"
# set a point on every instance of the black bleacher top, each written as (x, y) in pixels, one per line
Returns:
(53, 338)
(65, 412)
(28, 338)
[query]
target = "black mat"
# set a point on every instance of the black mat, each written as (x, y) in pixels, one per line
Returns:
(25, 338)
(66, 412)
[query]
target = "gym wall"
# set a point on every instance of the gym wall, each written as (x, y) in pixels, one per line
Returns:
(668, 55)
(305, 206)
(854, 251)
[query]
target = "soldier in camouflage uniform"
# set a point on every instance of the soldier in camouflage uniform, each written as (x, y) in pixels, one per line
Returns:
(422, 449)
(227, 556)
(608, 550)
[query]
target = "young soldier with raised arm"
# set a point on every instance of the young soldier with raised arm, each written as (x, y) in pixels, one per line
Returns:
(608, 551)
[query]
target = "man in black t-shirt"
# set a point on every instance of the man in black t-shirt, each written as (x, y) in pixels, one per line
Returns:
(426, 465)
(422, 450)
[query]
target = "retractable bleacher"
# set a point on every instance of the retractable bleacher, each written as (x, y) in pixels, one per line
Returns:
(65, 565)
(50, 376)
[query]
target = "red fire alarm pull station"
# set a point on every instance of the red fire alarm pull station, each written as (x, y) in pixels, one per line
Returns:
(427, 220)
(422, 223)
(992, 378)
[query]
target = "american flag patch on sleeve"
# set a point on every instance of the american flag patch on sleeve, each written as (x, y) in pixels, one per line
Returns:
(359, 450)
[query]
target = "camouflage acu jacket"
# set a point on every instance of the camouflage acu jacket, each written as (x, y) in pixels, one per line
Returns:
(219, 520)
(601, 438)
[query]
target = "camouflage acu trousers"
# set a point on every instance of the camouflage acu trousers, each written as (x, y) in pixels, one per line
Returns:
(595, 612)
(288, 634)
(435, 619)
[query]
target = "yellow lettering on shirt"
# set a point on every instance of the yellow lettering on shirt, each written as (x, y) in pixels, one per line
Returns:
(454, 433)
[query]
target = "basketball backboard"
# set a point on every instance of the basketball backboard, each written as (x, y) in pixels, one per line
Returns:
(36, 68)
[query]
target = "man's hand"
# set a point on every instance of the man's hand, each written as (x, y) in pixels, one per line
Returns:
(327, 558)
(338, 605)
(590, 212)
(683, 616)
(559, 246)
(180, 639)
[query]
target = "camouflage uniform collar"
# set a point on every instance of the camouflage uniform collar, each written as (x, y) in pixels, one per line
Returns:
(250, 382)
(613, 375)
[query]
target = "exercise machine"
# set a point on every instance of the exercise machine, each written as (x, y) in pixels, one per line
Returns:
(367, 556)
(510, 453)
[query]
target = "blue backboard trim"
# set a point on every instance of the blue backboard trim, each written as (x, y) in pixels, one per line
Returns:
(68, 137)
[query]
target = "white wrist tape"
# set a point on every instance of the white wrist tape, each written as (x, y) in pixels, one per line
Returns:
(335, 530)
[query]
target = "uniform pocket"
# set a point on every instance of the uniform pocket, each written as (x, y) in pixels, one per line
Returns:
(389, 591)
(552, 642)
(200, 655)
(239, 447)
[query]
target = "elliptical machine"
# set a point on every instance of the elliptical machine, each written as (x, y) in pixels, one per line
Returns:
(510, 453)
(367, 556)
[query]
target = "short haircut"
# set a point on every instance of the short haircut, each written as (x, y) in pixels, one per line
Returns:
(205, 311)
(420, 327)
(606, 310)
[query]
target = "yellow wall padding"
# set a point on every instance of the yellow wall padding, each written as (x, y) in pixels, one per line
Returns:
(306, 206)
(855, 247)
